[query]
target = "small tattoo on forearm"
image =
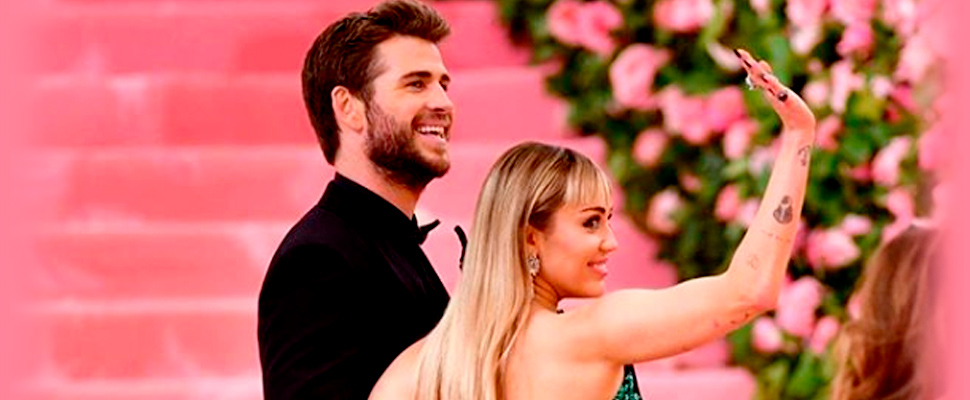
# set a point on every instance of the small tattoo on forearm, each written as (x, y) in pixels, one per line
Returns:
(803, 154)
(784, 213)
(775, 236)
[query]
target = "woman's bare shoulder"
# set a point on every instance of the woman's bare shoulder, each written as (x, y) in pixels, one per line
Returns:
(400, 378)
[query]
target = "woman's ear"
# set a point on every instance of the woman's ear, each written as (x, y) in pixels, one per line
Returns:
(348, 109)
(533, 239)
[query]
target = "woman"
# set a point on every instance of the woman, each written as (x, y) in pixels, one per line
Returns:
(883, 353)
(541, 234)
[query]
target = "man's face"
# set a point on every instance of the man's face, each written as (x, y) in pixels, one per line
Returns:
(409, 116)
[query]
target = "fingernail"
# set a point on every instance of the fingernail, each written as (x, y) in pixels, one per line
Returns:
(737, 53)
(783, 96)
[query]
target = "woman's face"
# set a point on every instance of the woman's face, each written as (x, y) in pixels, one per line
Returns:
(574, 248)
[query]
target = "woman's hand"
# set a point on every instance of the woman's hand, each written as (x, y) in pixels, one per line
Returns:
(794, 113)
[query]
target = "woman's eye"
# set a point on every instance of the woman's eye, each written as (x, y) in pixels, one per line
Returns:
(592, 223)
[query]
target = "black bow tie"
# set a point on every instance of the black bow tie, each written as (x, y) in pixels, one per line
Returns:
(424, 230)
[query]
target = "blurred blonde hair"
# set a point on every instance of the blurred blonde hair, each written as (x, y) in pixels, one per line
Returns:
(882, 354)
(464, 357)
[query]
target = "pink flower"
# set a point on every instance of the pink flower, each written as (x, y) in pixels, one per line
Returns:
(903, 95)
(900, 203)
(563, 19)
(690, 182)
(722, 56)
(830, 248)
(931, 148)
(584, 24)
(747, 212)
(901, 14)
(857, 38)
(765, 336)
(805, 13)
(844, 82)
(762, 7)
(796, 306)
(649, 147)
(728, 203)
(826, 329)
(685, 115)
(804, 39)
(724, 107)
(632, 74)
(855, 225)
(885, 166)
(816, 93)
(682, 15)
(881, 86)
(660, 214)
(738, 137)
(826, 132)
(762, 158)
(853, 11)
(915, 59)
(599, 19)
(861, 173)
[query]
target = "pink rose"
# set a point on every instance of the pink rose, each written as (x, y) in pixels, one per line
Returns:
(853, 11)
(796, 306)
(816, 93)
(682, 15)
(649, 147)
(881, 86)
(598, 20)
(690, 182)
(762, 158)
(861, 173)
(826, 132)
(826, 329)
(857, 38)
(660, 214)
(903, 95)
(632, 74)
(722, 56)
(830, 248)
(584, 24)
(804, 39)
(747, 212)
(685, 115)
(765, 336)
(931, 148)
(901, 15)
(563, 20)
(728, 203)
(844, 82)
(900, 203)
(738, 137)
(762, 7)
(915, 59)
(724, 107)
(885, 165)
(855, 225)
(805, 13)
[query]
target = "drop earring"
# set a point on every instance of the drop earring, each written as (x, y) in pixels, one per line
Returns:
(533, 264)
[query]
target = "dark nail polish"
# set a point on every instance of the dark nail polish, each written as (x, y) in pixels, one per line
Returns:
(737, 53)
(782, 96)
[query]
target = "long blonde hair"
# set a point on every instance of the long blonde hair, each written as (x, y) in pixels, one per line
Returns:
(882, 354)
(465, 356)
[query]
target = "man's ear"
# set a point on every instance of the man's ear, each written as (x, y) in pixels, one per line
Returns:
(348, 109)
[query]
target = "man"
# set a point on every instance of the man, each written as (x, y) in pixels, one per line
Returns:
(349, 287)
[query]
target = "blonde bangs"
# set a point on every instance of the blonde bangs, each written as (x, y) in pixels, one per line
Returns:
(587, 184)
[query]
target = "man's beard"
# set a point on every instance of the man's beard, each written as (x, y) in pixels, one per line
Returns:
(392, 148)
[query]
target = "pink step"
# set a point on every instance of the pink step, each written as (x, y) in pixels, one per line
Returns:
(148, 261)
(259, 109)
(135, 339)
(111, 37)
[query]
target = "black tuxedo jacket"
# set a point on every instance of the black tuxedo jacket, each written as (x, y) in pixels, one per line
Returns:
(347, 291)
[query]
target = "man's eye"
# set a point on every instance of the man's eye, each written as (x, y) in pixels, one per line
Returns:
(416, 84)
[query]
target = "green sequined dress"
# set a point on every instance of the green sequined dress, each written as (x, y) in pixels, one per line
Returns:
(629, 389)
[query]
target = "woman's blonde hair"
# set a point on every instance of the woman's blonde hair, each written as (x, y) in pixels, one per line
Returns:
(882, 354)
(464, 357)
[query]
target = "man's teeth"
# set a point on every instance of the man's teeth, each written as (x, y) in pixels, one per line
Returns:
(432, 130)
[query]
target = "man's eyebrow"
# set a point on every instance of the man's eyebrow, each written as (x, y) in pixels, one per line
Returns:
(425, 75)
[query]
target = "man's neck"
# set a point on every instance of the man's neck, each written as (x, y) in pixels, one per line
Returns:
(368, 176)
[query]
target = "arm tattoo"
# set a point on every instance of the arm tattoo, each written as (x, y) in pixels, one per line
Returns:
(753, 262)
(803, 154)
(784, 213)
